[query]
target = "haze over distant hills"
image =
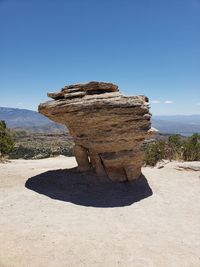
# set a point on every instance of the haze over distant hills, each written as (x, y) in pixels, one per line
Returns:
(34, 121)
(29, 120)
(181, 124)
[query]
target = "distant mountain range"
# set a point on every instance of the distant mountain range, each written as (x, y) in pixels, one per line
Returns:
(29, 120)
(35, 122)
(181, 124)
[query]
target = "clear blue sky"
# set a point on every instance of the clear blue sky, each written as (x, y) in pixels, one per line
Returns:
(149, 47)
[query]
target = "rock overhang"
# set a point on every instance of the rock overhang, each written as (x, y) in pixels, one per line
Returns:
(108, 128)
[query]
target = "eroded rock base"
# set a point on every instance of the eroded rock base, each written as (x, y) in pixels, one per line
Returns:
(120, 170)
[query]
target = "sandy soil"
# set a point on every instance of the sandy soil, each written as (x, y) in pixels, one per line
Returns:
(61, 218)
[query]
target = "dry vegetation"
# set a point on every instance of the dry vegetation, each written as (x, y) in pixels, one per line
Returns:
(40, 145)
(30, 145)
(175, 147)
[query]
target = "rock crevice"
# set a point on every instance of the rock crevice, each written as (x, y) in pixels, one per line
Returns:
(108, 128)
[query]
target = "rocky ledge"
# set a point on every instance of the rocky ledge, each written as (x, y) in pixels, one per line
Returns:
(108, 128)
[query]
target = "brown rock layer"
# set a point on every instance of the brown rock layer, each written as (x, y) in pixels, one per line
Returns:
(108, 128)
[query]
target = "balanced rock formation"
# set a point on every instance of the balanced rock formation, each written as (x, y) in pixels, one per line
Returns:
(108, 128)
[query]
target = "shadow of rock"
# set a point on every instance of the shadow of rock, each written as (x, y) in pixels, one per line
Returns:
(83, 189)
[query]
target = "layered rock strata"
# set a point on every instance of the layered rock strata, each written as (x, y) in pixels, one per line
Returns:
(108, 128)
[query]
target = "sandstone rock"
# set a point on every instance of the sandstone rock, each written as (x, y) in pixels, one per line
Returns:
(188, 166)
(108, 128)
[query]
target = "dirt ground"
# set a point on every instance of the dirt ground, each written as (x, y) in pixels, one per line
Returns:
(51, 215)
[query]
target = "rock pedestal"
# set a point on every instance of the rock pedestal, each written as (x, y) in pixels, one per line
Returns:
(108, 128)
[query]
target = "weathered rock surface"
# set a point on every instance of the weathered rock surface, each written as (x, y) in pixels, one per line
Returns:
(188, 166)
(108, 128)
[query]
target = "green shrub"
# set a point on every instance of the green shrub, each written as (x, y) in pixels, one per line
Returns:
(6, 140)
(191, 148)
(154, 152)
(174, 148)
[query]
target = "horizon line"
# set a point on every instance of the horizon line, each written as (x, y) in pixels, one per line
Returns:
(152, 114)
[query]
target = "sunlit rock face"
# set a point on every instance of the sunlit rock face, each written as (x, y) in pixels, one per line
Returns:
(108, 128)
